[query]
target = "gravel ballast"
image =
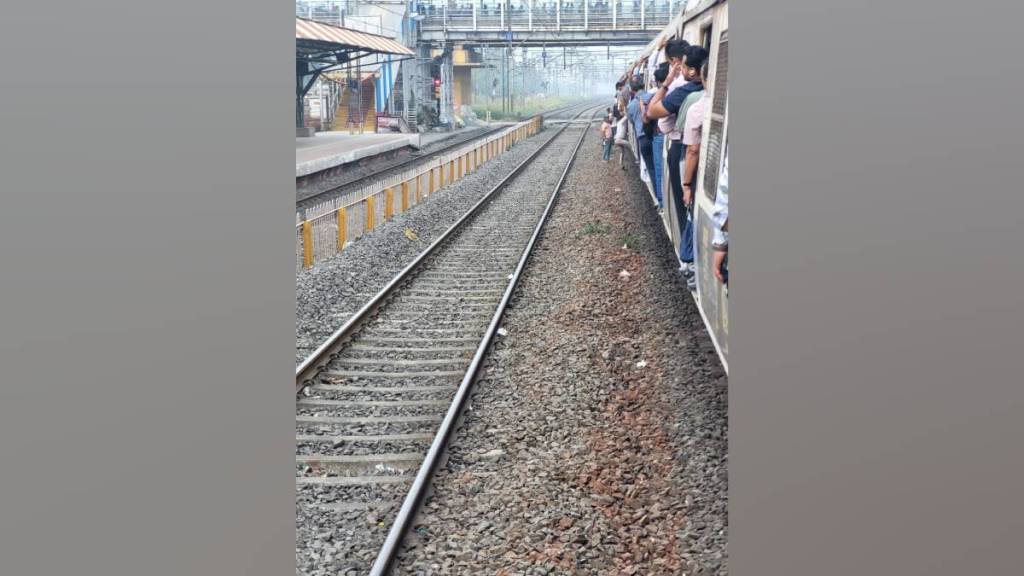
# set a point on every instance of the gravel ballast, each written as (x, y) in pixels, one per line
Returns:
(328, 293)
(363, 391)
(596, 442)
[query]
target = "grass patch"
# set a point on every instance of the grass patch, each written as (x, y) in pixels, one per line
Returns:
(595, 227)
(630, 242)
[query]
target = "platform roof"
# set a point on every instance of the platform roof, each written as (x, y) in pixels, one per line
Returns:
(320, 48)
(317, 41)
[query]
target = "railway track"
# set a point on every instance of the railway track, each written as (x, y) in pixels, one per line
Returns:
(310, 200)
(379, 400)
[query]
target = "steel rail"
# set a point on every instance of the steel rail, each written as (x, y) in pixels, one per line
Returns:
(422, 481)
(309, 201)
(327, 352)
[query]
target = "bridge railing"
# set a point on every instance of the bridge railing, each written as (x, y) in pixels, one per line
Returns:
(327, 11)
(547, 15)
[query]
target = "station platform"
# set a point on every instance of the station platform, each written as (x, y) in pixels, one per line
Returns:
(327, 150)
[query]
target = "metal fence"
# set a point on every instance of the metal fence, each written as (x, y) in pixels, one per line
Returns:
(331, 225)
(522, 15)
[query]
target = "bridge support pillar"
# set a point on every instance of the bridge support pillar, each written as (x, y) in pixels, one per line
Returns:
(447, 111)
(463, 90)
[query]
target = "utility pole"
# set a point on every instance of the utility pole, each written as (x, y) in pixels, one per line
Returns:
(524, 78)
(504, 80)
(508, 51)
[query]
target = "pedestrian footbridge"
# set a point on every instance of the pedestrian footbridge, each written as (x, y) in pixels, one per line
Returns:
(544, 22)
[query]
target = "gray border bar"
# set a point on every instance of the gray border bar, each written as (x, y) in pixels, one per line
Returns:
(875, 395)
(146, 318)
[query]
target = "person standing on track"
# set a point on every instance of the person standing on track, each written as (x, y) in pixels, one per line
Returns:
(606, 119)
(606, 135)
(619, 135)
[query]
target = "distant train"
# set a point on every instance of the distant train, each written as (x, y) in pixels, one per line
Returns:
(703, 22)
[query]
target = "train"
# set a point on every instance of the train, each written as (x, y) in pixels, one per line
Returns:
(703, 22)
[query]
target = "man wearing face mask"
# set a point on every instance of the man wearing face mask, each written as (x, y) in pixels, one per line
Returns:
(675, 51)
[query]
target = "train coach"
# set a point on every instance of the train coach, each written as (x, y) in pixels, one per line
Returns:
(706, 23)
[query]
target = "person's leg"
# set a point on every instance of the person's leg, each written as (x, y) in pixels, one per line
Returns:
(647, 153)
(675, 154)
(607, 149)
(689, 251)
(686, 242)
(641, 145)
(691, 276)
(659, 151)
(693, 237)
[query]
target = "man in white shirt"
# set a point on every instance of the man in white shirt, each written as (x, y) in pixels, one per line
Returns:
(720, 217)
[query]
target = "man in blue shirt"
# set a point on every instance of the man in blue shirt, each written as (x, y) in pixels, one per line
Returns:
(636, 116)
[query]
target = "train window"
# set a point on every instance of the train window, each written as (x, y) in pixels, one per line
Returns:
(718, 110)
(721, 75)
(705, 37)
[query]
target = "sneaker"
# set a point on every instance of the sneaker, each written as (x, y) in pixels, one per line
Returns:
(691, 283)
(687, 270)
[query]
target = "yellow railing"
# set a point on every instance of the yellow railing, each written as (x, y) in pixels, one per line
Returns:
(332, 225)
